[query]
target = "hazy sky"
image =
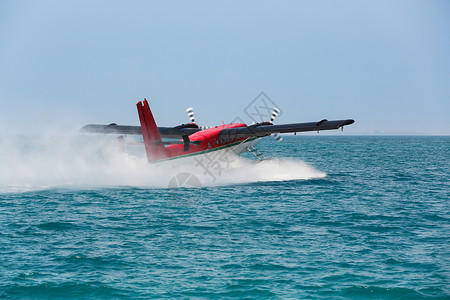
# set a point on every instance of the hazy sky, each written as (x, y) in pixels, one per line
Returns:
(66, 63)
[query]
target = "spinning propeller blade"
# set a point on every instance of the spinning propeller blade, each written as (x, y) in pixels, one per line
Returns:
(275, 113)
(190, 112)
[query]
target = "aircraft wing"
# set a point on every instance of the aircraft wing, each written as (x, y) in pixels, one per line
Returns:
(260, 130)
(176, 132)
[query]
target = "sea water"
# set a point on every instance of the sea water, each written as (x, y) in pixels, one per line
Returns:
(331, 217)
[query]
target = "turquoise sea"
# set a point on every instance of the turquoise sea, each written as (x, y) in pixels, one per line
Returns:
(334, 217)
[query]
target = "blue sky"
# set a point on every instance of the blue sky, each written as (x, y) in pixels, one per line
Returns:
(384, 63)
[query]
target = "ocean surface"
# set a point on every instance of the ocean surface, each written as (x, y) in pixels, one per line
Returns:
(329, 217)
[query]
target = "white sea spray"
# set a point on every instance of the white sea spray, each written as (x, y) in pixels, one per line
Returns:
(86, 161)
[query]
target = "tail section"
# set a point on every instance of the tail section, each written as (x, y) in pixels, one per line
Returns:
(152, 139)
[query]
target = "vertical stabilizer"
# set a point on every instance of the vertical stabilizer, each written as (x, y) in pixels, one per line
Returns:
(152, 139)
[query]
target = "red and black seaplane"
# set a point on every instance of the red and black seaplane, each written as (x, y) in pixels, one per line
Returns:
(193, 140)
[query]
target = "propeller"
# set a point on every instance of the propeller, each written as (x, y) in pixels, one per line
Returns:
(190, 112)
(275, 112)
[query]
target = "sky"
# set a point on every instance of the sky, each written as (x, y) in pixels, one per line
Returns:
(385, 64)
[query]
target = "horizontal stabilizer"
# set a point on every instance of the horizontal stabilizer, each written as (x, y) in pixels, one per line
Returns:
(112, 128)
(165, 132)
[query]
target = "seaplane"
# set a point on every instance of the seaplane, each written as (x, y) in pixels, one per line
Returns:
(187, 140)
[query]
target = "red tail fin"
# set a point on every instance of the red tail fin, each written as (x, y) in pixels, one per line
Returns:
(152, 139)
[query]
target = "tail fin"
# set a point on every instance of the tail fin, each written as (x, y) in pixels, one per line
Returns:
(152, 139)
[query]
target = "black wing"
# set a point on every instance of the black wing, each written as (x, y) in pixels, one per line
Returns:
(260, 130)
(176, 132)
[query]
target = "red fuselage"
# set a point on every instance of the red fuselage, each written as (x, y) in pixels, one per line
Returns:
(209, 140)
